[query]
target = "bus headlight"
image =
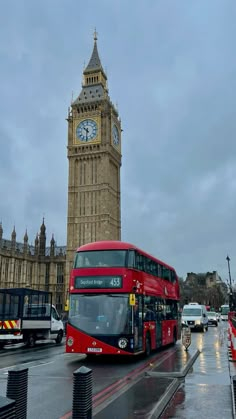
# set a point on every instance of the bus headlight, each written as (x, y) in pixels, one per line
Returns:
(122, 343)
(70, 341)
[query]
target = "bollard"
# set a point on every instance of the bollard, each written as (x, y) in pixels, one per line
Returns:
(234, 388)
(82, 394)
(7, 408)
(17, 389)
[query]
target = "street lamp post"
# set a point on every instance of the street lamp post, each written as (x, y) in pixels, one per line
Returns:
(231, 305)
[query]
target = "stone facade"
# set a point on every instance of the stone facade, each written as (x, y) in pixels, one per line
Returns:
(208, 279)
(39, 267)
(94, 156)
(205, 288)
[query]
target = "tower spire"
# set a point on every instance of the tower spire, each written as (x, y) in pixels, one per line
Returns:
(94, 85)
(95, 35)
(42, 239)
(94, 62)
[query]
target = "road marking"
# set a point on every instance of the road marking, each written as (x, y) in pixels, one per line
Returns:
(40, 365)
(23, 365)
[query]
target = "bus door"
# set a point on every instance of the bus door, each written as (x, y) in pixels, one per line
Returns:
(138, 323)
(153, 317)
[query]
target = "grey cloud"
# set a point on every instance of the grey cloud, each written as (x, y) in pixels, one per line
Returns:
(171, 68)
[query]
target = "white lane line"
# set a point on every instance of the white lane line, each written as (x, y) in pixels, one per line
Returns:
(15, 366)
(23, 365)
(40, 365)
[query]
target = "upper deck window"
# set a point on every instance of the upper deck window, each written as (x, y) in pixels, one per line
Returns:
(144, 263)
(100, 258)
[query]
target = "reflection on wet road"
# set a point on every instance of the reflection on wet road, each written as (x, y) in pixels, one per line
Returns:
(206, 390)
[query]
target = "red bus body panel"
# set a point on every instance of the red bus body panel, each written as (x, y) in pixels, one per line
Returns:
(82, 342)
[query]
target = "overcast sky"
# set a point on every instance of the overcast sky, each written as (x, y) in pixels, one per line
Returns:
(171, 68)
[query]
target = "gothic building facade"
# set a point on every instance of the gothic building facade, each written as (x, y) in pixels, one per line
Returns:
(39, 267)
(94, 157)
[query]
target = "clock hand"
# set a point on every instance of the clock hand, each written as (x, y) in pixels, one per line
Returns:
(87, 131)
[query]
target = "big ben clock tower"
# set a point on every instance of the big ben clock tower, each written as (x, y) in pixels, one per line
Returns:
(94, 154)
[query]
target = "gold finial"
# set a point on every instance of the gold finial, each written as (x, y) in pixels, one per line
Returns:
(95, 35)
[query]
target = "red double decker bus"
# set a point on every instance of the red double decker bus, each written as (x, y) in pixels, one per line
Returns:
(122, 301)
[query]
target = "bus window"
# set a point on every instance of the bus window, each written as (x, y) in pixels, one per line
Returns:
(131, 259)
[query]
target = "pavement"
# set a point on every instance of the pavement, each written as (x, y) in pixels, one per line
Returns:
(148, 395)
(207, 388)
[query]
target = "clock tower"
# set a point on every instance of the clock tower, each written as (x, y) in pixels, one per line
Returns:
(94, 155)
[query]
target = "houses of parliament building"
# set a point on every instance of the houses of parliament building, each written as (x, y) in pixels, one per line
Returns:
(94, 157)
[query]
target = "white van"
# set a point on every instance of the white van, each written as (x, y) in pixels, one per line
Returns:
(224, 310)
(195, 316)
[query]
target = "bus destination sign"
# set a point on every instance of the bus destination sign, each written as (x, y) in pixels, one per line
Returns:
(111, 281)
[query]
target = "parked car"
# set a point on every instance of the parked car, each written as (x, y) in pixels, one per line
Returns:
(212, 318)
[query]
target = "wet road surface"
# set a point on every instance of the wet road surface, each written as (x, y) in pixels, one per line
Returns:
(51, 375)
(205, 392)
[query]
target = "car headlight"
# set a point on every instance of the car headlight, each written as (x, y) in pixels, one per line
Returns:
(122, 343)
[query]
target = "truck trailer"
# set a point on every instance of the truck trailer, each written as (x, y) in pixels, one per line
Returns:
(27, 315)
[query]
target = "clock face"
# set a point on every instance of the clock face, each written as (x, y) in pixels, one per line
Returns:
(115, 135)
(87, 130)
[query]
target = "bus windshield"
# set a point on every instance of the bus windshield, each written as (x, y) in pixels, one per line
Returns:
(92, 259)
(100, 314)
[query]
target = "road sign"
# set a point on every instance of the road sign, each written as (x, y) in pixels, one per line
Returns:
(186, 337)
